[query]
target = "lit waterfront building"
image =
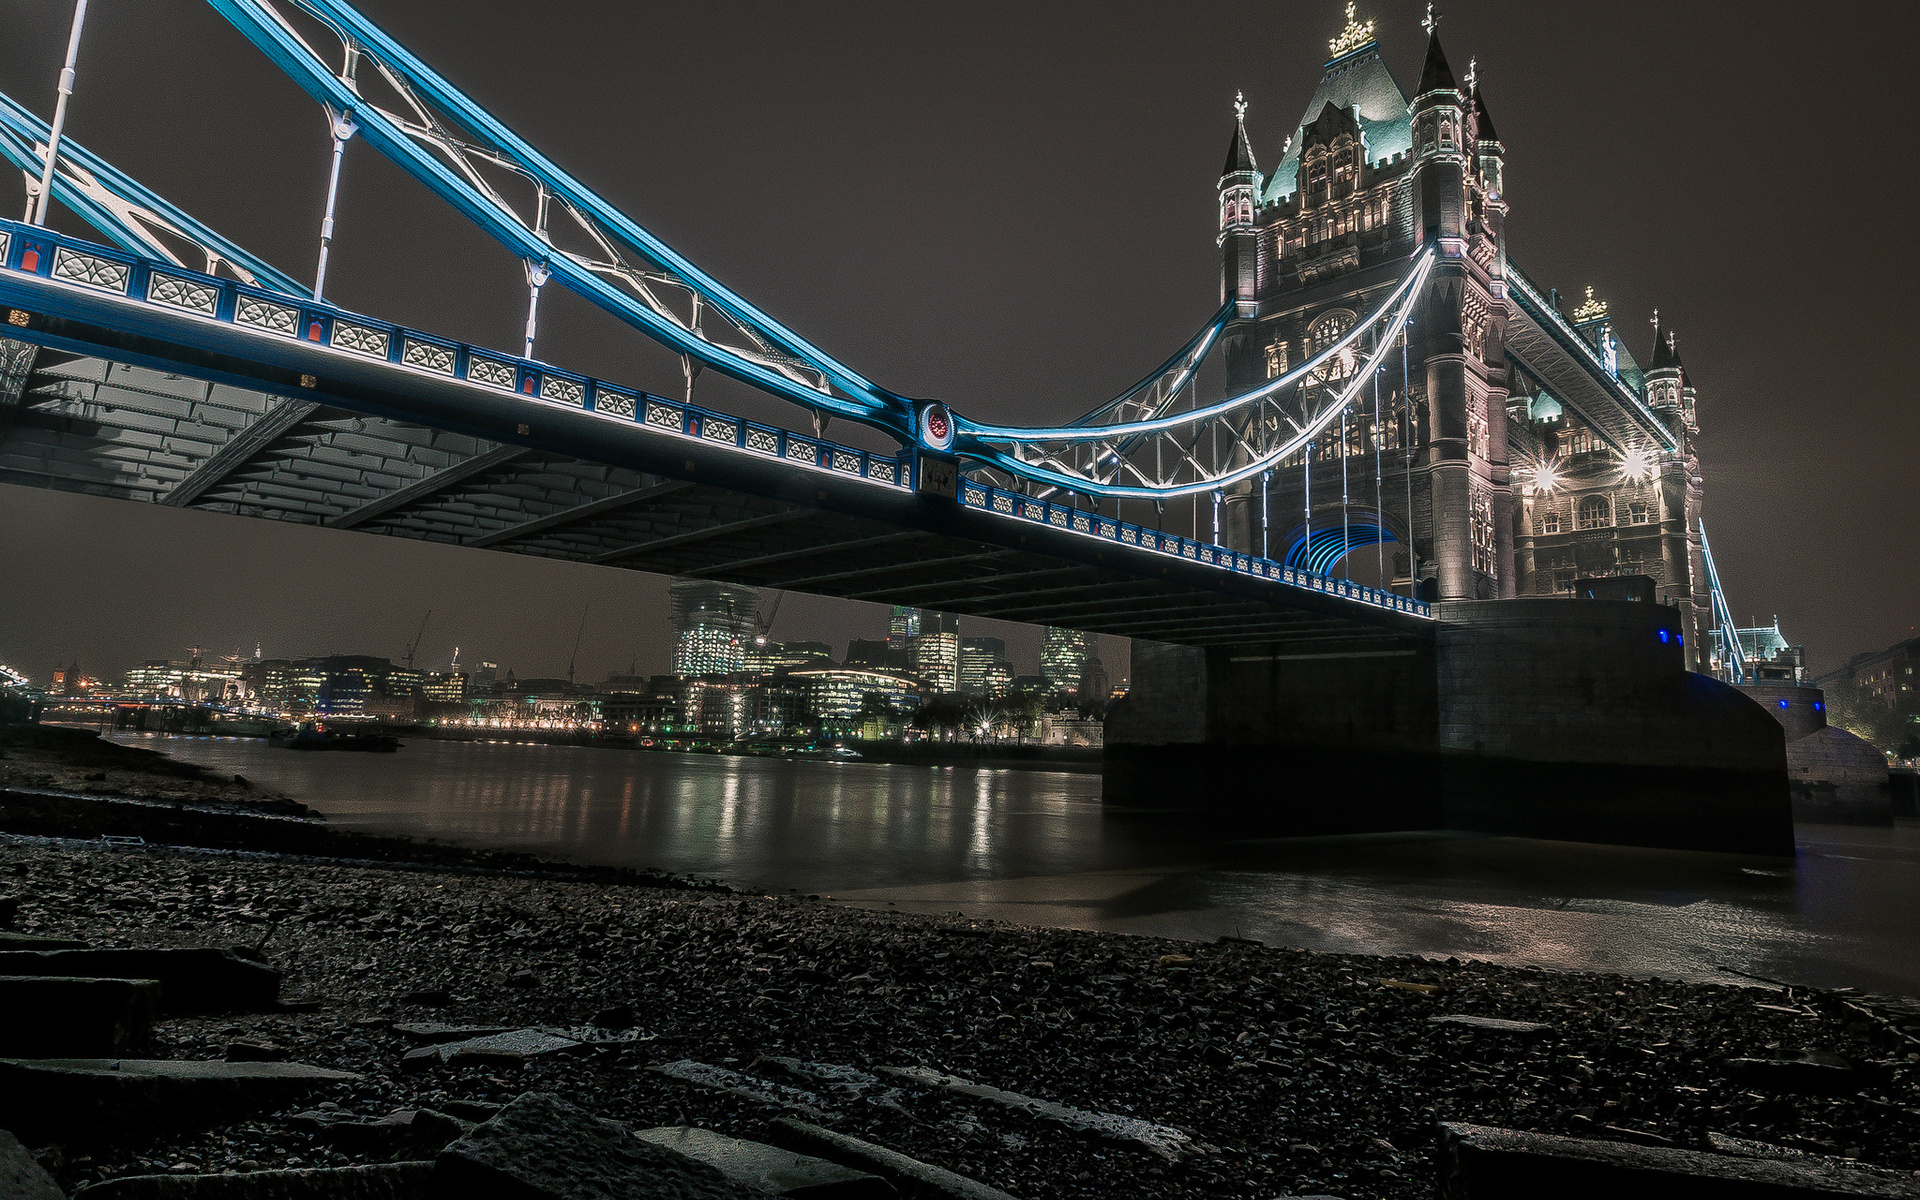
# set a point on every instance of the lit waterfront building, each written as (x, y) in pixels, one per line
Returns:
(713, 626)
(936, 652)
(445, 687)
(764, 658)
(187, 681)
(837, 695)
(1063, 656)
(978, 657)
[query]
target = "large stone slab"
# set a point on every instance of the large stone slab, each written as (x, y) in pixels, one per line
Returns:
(1478, 1162)
(746, 1087)
(1165, 1141)
(191, 981)
(1491, 1024)
(915, 1179)
(21, 1178)
(510, 1049)
(57, 1016)
(384, 1181)
(769, 1168)
(541, 1148)
(101, 1099)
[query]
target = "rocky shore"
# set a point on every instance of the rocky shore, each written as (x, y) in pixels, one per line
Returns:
(1040, 1062)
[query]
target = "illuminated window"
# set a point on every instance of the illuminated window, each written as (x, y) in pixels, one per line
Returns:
(1595, 512)
(1639, 513)
(1327, 329)
(1276, 359)
(1550, 521)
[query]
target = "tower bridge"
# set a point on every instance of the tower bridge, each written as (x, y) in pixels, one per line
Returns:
(1391, 379)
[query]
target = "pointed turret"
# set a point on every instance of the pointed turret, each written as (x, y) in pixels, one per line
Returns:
(1239, 202)
(1666, 353)
(1669, 391)
(1240, 152)
(1482, 122)
(1436, 76)
(1440, 151)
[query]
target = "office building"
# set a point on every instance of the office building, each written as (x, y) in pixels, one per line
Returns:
(713, 626)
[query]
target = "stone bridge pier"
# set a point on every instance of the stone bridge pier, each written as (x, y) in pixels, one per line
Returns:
(1568, 719)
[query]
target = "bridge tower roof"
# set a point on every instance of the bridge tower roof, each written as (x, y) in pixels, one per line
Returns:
(1436, 75)
(1240, 152)
(1482, 119)
(1359, 80)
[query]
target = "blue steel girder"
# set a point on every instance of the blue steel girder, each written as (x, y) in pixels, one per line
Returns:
(124, 211)
(86, 299)
(449, 128)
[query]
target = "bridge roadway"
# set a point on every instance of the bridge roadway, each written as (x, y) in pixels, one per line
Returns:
(135, 379)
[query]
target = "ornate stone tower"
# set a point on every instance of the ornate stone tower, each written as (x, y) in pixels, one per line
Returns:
(1364, 184)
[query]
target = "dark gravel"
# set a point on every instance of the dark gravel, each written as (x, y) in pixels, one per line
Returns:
(1304, 1071)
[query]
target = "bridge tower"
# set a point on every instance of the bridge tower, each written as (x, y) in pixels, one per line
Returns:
(1366, 180)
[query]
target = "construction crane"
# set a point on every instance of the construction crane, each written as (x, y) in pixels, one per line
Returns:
(575, 656)
(414, 645)
(764, 624)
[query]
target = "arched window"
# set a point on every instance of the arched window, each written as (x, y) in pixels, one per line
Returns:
(1327, 329)
(1639, 513)
(1595, 512)
(1550, 521)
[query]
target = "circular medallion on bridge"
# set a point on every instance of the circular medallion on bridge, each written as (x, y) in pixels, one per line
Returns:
(936, 427)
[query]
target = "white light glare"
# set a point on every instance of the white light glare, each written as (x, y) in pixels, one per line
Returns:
(1637, 464)
(1546, 476)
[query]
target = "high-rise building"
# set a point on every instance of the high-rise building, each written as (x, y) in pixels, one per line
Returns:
(903, 627)
(713, 626)
(978, 657)
(936, 652)
(1063, 655)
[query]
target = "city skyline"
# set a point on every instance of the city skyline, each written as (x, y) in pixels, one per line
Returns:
(914, 297)
(1022, 644)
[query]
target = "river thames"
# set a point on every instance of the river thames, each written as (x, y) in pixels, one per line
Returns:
(1037, 847)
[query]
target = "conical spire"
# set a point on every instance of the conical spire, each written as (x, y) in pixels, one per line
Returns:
(1240, 153)
(1436, 75)
(1482, 120)
(1665, 352)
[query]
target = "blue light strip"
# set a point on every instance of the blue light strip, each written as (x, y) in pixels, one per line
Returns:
(868, 403)
(1732, 655)
(1015, 506)
(64, 262)
(1330, 545)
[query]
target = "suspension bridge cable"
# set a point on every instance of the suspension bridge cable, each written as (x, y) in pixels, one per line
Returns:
(1406, 401)
(1346, 521)
(1379, 502)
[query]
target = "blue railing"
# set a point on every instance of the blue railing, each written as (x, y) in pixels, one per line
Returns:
(88, 267)
(1090, 524)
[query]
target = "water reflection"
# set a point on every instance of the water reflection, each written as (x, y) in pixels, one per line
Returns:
(1038, 847)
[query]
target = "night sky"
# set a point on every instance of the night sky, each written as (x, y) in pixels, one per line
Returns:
(1010, 207)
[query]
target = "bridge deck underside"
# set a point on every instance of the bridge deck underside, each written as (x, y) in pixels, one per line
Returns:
(134, 432)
